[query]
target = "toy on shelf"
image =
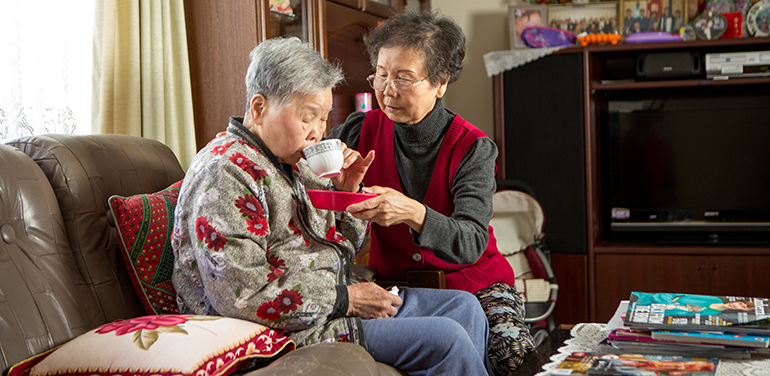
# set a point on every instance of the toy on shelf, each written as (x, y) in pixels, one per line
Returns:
(541, 36)
(651, 36)
(586, 39)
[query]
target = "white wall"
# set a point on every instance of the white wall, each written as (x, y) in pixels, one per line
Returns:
(485, 23)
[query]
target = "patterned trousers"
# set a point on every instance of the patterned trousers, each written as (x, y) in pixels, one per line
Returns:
(509, 336)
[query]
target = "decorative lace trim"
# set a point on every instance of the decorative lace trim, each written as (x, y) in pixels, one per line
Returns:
(501, 61)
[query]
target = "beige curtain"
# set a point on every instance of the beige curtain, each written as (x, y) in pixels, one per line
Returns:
(141, 73)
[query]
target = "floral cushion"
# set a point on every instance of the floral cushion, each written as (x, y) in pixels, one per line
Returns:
(144, 223)
(160, 345)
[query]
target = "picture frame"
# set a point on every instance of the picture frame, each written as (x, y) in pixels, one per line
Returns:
(710, 26)
(590, 18)
(521, 17)
(652, 15)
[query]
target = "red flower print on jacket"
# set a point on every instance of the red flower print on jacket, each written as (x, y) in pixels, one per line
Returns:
(256, 172)
(257, 226)
(288, 300)
(221, 149)
(243, 142)
(208, 234)
(274, 274)
(276, 262)
(276, 266)
(297, 232)
(250, 207)
(269, 311)
(334, 236)
(140, 323)
(239, 159)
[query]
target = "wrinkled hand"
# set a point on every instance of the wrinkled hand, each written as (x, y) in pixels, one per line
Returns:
(354, 167)
(367, 300)
(390, 207)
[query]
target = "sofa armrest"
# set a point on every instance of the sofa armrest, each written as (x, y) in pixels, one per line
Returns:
(332, 359)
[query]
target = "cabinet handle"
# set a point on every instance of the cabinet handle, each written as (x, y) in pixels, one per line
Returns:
(701, 267)
(714, 268)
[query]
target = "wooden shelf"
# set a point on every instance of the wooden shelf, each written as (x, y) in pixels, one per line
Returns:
(721, 44)
(566, 148)
(662, 84)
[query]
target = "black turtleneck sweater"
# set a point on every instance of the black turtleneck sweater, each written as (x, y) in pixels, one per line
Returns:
(463, 237)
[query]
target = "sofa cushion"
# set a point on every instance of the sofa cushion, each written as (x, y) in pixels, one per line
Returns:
(144, 223)
(161, 345)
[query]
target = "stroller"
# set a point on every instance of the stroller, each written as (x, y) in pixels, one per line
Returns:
(517, 225)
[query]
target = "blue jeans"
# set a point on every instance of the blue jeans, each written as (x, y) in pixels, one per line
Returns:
(435, 332)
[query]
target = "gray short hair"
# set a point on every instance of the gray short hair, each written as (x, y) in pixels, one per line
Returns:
(438, 38)
(284, 69)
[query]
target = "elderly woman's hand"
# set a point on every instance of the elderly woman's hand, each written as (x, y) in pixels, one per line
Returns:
(390, 207)
(354, 168)
(368, 300)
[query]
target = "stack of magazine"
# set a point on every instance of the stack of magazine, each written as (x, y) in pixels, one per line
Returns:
(676, 334)
(695, 325)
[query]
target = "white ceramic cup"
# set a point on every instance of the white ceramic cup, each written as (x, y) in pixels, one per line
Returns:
(325, 158)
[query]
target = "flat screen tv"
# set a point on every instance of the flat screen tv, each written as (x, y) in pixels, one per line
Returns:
(687, 166)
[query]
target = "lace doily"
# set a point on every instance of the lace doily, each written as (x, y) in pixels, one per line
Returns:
(501, 61)
(586, 338)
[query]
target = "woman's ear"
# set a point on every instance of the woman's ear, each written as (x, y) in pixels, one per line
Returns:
(442, 88)
(257, 108)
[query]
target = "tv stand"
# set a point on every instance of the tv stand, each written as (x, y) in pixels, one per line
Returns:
(550, 116)
(713, 239)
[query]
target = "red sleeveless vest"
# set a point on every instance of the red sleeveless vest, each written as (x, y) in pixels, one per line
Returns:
(392, 251)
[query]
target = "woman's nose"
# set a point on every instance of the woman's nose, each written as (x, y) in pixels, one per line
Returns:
(318, 131)
(391, 86)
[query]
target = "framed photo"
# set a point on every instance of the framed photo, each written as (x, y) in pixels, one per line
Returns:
(521, 17)
(653, 15)
(591, 18)
(710, 25)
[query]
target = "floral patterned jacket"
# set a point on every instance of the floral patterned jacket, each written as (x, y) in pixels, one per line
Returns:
(248, 243)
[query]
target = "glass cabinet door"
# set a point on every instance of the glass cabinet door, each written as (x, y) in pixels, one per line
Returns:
(286, 19)
(298, 18)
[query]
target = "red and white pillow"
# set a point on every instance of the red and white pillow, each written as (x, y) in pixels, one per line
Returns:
(160, 345)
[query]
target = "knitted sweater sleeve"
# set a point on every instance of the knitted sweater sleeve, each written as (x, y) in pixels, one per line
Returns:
(463, 237)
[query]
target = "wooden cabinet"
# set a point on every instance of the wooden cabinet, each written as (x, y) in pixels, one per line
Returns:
(615, 267)
(732, 271)
(220, 35)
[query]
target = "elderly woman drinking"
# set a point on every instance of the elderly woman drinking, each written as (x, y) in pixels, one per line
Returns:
(248, 244)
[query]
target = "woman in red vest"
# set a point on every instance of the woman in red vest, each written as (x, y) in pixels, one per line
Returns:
(434, 173)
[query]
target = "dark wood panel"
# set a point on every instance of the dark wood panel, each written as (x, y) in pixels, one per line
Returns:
(572, 302)
(679, 83)
(618, 275)
(345, 38)
(740, 275)
(220, 36)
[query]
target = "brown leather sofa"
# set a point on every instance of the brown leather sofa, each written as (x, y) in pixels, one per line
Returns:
(61, 273)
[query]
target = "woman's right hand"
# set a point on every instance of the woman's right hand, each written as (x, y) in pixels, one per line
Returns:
(368, 300)
(390, 207)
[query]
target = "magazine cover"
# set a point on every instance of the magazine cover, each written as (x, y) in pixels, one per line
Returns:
(637, 364)
(575, 364)
(698, 312)
(731, 339)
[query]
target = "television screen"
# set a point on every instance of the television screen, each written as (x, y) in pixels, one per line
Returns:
(687, 163)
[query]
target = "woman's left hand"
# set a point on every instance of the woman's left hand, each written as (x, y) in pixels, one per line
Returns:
(390, 207)
(354, 168)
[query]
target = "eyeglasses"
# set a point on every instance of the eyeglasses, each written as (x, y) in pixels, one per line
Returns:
(399, 85)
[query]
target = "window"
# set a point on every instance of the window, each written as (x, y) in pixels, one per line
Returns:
(45, 67)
